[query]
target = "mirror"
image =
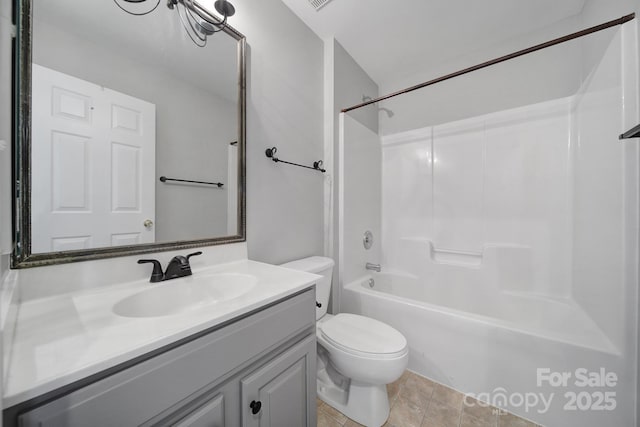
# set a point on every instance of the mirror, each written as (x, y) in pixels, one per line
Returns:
(130, 138)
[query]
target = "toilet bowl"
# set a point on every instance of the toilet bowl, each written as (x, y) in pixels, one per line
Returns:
(357, 355)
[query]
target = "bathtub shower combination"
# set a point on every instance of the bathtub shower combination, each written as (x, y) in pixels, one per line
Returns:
(507, 239)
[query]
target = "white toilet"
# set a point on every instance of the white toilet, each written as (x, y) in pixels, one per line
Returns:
(357, 356)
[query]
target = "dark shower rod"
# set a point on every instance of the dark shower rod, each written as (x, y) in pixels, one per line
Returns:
(514, 55)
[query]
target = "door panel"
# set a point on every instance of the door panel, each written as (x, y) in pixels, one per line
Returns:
(71, 105)
(70, 172)
(123, 118)
(277, 394)
(284, 398)
(126, 178)
(71, 243)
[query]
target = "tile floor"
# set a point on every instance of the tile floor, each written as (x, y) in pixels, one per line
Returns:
(419, 402)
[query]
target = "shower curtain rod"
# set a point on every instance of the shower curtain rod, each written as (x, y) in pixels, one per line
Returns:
(517, 54)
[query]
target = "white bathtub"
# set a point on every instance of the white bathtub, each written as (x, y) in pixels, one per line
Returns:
(481, 341)
(555, 319)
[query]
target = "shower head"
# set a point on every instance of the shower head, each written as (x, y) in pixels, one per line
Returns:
(390, 113)
(386, 110)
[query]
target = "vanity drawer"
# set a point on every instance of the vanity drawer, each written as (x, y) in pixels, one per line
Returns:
(174, 378)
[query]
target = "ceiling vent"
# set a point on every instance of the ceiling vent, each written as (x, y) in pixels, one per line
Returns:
(318, 4)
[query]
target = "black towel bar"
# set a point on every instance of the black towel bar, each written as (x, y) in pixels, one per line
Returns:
(165, 179)
(271, 153)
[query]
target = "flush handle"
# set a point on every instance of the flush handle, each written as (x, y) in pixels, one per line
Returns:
(255, 406)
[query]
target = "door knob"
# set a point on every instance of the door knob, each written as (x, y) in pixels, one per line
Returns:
(148, 224)
(255, 406)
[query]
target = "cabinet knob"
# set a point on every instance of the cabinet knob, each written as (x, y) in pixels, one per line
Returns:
(318, 304)
(255, 406)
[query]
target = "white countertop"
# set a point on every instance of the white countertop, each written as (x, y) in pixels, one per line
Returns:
(64, 338)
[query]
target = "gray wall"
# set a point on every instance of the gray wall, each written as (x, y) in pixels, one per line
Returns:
(193, 127)
(350, 83)
(284, 109)
(285, 100)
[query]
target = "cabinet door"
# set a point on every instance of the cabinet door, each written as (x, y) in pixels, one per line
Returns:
(282, 392)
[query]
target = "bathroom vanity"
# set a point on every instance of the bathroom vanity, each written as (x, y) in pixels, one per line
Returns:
(93, 343)
(247, 361)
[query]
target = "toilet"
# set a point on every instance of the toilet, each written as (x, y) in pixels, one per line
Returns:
(357, 355)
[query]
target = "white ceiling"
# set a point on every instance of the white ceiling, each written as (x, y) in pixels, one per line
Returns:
(387, 38)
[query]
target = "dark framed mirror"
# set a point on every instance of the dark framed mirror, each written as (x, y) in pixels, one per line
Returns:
(129, 138)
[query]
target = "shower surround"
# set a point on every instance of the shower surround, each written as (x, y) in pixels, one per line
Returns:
(509, 246)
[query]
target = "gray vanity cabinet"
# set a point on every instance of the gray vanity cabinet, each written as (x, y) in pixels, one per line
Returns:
(255, 371)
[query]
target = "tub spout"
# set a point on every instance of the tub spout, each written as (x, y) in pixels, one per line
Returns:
(374, 267)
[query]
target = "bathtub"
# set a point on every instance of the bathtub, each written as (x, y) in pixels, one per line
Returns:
(491, 344)
(549, 318)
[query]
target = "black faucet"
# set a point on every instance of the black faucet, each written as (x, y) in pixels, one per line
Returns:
(178, 267)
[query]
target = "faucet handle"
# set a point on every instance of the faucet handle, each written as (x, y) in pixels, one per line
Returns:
(156, 275)
(194, 254)
(179, 266)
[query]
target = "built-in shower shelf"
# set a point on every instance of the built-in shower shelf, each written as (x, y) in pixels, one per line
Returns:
(460, 258)
(512, 260)
(631, 133)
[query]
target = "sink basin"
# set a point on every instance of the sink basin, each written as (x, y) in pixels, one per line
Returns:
(179, 295)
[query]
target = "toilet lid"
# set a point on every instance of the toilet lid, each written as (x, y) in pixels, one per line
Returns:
(363, 335)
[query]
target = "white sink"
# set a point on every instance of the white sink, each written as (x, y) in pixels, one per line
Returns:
(179, 295)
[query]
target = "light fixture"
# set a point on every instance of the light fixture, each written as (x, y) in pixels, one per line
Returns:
(197, 22)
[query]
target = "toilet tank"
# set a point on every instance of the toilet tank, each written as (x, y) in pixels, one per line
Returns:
(317, 265)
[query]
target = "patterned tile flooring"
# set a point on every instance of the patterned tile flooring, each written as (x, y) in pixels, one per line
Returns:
(419, 402)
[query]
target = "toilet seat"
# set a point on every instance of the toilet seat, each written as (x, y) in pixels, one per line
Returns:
(364, 337)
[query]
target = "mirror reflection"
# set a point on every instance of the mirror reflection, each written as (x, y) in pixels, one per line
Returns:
(134, 129)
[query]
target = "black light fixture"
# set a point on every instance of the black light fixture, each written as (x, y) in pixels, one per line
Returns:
(197, 22)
